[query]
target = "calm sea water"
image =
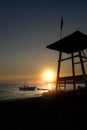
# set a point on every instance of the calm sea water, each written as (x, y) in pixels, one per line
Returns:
(12, 91)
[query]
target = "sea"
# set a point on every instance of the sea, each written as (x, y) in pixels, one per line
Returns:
(12, 92)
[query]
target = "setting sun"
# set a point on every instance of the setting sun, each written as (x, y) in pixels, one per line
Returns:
(48, 76)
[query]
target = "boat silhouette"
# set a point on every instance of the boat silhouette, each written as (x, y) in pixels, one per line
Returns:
(27, 88)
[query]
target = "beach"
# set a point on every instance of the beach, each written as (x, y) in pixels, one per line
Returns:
(62, 110)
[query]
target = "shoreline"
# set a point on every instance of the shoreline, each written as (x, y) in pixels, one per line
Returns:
(18, 99)
(47, 95)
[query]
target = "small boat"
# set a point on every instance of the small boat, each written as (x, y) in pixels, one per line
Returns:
(27, 88)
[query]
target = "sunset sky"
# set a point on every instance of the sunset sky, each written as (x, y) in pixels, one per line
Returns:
(27, 27)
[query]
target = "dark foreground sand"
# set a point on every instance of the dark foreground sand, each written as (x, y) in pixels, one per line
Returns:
(65, 110)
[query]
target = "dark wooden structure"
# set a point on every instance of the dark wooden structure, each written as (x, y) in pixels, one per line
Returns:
(73, 44)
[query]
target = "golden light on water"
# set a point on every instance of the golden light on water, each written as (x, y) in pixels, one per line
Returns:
(50, 86)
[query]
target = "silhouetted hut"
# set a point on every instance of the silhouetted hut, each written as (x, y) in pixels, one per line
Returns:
(73, 44)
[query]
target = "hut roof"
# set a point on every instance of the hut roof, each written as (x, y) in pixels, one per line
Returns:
(72, 43)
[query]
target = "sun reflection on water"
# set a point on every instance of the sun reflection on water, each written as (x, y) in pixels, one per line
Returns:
(50, 86)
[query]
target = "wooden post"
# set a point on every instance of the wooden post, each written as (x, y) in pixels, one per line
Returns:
(82, 66)
(73, 70)
(58, 71)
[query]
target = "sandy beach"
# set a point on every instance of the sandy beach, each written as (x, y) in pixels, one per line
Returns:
(64, 110)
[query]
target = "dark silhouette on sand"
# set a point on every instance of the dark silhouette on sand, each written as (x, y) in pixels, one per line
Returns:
(75, 42)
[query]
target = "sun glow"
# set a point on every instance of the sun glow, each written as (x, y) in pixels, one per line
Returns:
(48, 76)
